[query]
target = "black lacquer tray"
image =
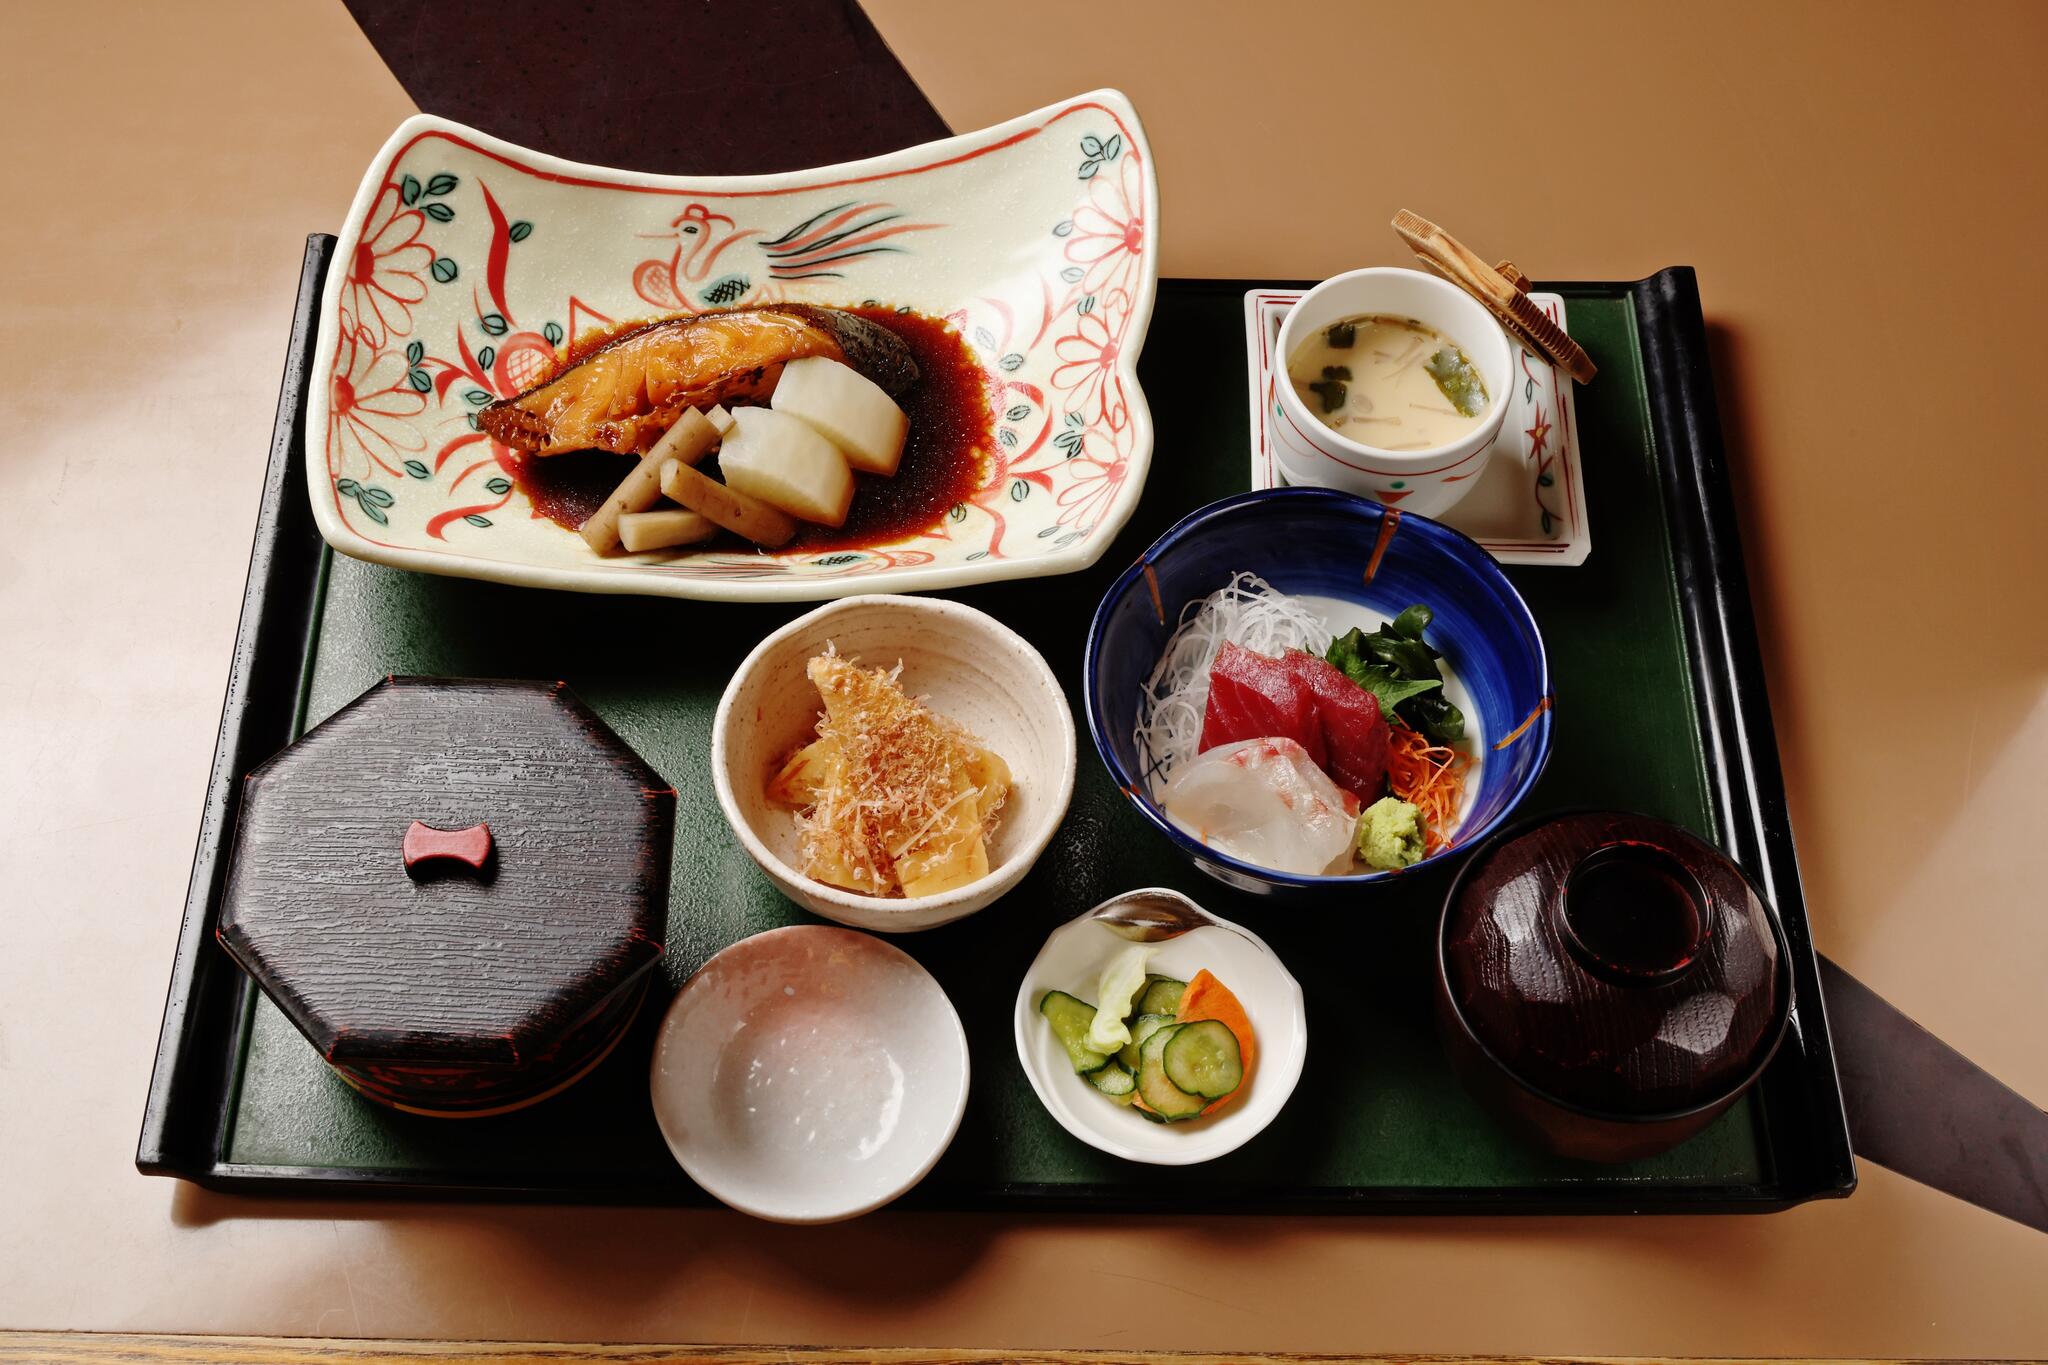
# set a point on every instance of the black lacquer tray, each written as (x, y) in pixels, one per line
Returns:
(1661, 708)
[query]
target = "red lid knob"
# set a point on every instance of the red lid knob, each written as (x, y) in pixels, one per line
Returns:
(424, 843)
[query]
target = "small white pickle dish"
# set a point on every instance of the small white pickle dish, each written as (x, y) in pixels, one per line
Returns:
(1071, 961)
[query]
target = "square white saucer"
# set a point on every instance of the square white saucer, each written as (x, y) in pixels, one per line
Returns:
(1529, 507)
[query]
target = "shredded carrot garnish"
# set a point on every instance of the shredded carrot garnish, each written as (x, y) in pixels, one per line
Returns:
(1431, 777)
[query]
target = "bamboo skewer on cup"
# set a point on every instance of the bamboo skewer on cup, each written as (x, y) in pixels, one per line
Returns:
(1502, 288)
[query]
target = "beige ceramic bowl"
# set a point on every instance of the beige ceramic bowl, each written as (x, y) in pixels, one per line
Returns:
(967, 667)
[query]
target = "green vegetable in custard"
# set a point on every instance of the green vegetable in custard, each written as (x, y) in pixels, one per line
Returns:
(1336, 372)
(1399, 668)
(1342, 335)
(1390, 834)
(1460, 382)
(1332, 392)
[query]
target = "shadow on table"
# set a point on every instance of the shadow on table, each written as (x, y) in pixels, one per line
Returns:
(620, 1255)
(886, 1262)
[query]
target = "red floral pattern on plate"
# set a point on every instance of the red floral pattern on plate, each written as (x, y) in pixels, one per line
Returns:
(1089, 355)
(372, 412)
(1108, 240)
(387, 271)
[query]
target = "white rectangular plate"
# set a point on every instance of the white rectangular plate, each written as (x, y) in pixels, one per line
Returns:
(466, 262)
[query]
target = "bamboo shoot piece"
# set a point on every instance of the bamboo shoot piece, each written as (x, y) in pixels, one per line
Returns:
(728, 507)
(660, 530)
(809, 771)
(690, 438)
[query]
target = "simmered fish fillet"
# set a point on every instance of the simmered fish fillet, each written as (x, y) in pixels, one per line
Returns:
(623, 395)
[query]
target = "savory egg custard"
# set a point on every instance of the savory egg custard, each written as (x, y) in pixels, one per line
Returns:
(1389, 382)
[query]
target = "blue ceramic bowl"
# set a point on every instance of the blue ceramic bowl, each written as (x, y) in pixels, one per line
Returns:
(1315, 542)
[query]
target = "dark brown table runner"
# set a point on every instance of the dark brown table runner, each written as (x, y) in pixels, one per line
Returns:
(729, 87)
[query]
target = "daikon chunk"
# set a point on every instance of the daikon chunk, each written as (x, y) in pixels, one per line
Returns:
(847, 408)
(785, 463)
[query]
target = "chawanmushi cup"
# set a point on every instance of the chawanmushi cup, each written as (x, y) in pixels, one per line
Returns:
(1428, 481)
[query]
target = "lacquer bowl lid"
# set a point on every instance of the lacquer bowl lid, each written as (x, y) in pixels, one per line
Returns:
(454, 888)
(1616, 963)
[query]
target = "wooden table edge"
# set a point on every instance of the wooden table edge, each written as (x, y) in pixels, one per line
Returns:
(122, 1348)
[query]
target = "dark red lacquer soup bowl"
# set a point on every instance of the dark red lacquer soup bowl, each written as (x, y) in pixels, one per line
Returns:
(1608, 984)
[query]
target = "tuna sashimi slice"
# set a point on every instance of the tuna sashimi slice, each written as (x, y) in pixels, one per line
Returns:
(1354, 733)
(1252, 696)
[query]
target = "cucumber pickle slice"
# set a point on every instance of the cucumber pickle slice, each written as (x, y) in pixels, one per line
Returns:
(1115, 1082)
(1143, 1027)
(1161, 995)
(1203, 1059)
(1070, 1019)
(1166, 1098)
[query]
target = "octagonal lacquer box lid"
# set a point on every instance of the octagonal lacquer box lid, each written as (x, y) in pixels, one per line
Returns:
(455, 888)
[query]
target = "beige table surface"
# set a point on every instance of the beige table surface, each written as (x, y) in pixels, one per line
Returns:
(1861, 190)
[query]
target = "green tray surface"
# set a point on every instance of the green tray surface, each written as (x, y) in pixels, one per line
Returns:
(1377, 1115)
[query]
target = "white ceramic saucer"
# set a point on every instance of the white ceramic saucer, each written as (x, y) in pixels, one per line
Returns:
(1073, 958)
(809, 1074)
(1530, 505)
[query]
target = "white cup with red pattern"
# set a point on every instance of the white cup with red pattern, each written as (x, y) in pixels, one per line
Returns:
(1428, 481)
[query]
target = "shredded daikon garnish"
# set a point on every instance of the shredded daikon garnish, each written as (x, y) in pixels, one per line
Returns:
(1246, 611)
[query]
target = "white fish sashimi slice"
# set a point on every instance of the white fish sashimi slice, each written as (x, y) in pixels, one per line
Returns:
(1265, 802)
(846, 407)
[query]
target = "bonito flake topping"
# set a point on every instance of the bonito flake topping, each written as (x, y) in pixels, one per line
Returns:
(893, 799)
